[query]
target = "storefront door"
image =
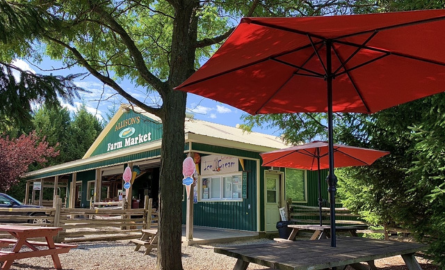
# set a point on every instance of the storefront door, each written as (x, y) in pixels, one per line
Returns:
(272, 199)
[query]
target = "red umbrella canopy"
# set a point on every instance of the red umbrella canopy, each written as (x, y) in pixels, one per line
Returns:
(278, 65)
(305, 156)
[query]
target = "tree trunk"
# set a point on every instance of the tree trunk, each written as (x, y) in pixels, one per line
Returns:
(172, 155)
(173, 117)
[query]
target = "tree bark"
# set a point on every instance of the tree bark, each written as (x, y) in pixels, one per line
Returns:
(173, 118)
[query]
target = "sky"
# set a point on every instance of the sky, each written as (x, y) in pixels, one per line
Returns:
(103, 100)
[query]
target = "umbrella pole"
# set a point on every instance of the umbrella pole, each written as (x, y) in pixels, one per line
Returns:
(319, 187)
(332, 178)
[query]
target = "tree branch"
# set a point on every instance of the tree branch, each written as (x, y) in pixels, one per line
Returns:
(210, 41)
(136, 54)
(104, 79)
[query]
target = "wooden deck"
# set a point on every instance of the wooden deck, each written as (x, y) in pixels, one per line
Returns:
(298, 255)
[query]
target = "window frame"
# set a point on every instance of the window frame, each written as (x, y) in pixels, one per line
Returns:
(222, 186)
(89, 184)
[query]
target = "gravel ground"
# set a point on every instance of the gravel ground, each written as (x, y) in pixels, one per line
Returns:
(121, 255)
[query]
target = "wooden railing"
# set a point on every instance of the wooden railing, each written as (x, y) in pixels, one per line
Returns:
(102, 222)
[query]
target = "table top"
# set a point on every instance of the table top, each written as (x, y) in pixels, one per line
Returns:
(14, 228)
(326, 227)
(298, 255)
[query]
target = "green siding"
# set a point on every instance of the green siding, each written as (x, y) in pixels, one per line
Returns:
(142, 126)
(231, 215)
(312, 187)
(85, 177)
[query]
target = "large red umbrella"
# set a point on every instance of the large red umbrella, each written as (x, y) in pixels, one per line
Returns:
(314, 157)
(352, 63)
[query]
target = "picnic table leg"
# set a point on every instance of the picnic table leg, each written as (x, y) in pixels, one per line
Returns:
(293, 234)
(411, 261)
(353, 233)
(315, 235)
(20, 241)
(372, 265)
(55, 256)
(241, 265)
(144, 237)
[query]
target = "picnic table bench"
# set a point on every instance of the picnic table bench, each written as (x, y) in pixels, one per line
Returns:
(149, 240)
(324, 231)
(306, 254)
(22, 234)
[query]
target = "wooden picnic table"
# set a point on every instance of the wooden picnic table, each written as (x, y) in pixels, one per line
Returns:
(306, 254)
(324, 231)
(22, 234)
(149, 240)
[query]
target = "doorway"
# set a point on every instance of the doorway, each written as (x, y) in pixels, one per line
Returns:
(272, 200)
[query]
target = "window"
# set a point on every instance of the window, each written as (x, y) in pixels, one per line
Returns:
(221, 188)
(90, 189)
(296, 187)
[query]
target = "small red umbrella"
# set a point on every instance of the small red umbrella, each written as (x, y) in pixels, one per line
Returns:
(353, 63)
(314, 156)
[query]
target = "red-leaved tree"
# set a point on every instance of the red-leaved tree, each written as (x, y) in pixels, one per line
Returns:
(17, 154)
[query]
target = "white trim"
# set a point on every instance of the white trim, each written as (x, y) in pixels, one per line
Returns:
(258, 195)
(221, 177)
(191, 137)
(214, 153)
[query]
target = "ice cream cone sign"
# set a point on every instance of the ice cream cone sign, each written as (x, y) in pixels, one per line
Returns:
(127, 174)
(136, 171)
(188, 169)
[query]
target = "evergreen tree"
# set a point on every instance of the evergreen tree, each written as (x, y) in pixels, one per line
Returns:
(84, 130)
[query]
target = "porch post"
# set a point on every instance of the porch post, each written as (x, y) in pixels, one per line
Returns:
(73, 191)
(56, 186)
(189, 216)
(33, 194)
(41, 193)
(98, 186)
(27, 193)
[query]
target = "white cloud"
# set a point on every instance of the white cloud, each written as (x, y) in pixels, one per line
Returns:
(222, 109)
(200, 109)
(75, 107)
(213, 116)
(23, 65)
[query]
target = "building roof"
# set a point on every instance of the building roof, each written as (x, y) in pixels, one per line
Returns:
(205, 128)
(195, 131)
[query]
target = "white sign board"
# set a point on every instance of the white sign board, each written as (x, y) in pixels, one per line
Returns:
(37, 185)
(213, 164)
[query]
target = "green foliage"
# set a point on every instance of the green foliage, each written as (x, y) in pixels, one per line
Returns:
(74, 136)
(295, 185)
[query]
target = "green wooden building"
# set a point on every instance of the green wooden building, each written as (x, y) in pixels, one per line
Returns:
(233, 190)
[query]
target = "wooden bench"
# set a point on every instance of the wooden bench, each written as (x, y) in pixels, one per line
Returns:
(149, 240)
(323, 232)
(22, 234)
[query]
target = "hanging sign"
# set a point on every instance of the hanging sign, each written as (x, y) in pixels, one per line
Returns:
(127, 175)
(127, 185)
(188, 169)
(37, 185)
(213, 164)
